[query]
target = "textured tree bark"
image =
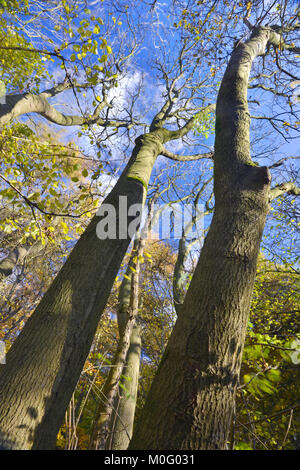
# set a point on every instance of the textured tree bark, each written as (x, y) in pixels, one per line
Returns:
(191, 400)
(45, 362)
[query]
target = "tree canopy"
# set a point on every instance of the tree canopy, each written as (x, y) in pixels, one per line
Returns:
(182, 107)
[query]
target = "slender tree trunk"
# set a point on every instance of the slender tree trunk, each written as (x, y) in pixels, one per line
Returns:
(180, 277)
(191, 400)
(45, 362)
(121, 425)
(127, 316)
(119, 409)
(109, 391)
(123, 419)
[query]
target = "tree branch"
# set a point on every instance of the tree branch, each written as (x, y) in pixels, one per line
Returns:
(283, 188)
(264, 87)
(185, 158)
(35, 205)
(17, 105)
(281, 161)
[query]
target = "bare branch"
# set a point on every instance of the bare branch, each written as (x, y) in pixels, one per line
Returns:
(185, 158)
(17, 105)
(280, 162)
(272, 90)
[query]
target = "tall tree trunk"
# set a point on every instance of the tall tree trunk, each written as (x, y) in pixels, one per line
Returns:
(191, 400)
(45, 362)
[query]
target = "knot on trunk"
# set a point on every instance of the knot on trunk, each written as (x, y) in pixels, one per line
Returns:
(255, 177)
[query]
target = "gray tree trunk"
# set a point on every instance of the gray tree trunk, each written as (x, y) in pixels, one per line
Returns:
(191, 400)
(100, 428)
(128, 310)
(113, 424)
(122, 419)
